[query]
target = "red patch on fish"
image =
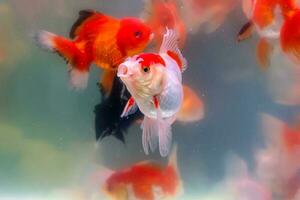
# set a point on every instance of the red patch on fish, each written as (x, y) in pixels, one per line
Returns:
(150, 59)
(176, 58)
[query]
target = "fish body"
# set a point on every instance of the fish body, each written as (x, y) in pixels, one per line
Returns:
(145, 181)
(154, 81)
(100, 39)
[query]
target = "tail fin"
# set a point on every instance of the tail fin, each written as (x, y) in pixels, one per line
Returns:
(173, 157)
(77, 60)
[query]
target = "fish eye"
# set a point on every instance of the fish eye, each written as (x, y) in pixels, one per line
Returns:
(138, 34)
(146, 69)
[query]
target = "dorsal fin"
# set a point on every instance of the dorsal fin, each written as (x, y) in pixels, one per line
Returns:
(170, 46)
(83, 16)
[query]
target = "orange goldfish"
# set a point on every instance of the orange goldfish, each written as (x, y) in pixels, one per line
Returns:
(160, 14)
(155, 83)
(266, 17)
(145, 181)
(100, 39)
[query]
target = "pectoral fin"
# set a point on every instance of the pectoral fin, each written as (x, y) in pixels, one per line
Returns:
(130, 108)
(106, 82)
(263, 52)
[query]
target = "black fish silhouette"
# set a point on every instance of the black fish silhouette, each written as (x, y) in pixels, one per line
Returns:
(107, 114)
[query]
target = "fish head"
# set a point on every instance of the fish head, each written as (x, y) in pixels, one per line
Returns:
(143, 74)
(133, 36)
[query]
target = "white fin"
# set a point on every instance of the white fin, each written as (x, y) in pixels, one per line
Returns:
(165, 137)
(78, 79)
(173, 158)
(130, 108)
(44, 39)
(170, 43)
(150, 134)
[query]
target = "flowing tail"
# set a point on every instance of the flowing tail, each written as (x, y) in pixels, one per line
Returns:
(77, 59)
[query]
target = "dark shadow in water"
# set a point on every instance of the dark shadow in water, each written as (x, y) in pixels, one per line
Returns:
(107, 114)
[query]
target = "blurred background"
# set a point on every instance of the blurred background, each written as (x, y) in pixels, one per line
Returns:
(47, 136)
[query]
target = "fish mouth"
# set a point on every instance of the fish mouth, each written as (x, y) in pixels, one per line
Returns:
(123, 71)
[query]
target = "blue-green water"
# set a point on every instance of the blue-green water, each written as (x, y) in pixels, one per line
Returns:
(47, 136)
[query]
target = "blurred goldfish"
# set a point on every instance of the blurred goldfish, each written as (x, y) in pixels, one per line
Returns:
(145, 181)
(97, 38)
(155, 83)
(242, 184)
(266, 17)
(279, 163)
(160, 14)
(207, 15)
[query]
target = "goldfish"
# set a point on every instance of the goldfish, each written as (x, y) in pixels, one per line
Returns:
(100, 39)
(267, 18)
(145, 181)
(155, 84)
(159, 14)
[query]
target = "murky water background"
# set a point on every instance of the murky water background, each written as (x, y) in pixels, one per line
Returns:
(47, 139)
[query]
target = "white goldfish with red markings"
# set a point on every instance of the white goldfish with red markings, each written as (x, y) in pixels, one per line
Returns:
(155, 83)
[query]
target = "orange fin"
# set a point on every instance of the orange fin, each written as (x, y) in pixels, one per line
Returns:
(245, 32)
(263, 52)
(83, 16)
(77, 60)
(192, 108)
(106, 82)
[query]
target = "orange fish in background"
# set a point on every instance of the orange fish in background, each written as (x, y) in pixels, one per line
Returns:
(145, 181)
(100, 39)
(159, 14)
(266, 17)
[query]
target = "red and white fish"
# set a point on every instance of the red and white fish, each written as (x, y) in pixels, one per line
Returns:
(155, 83)
(145, 181)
